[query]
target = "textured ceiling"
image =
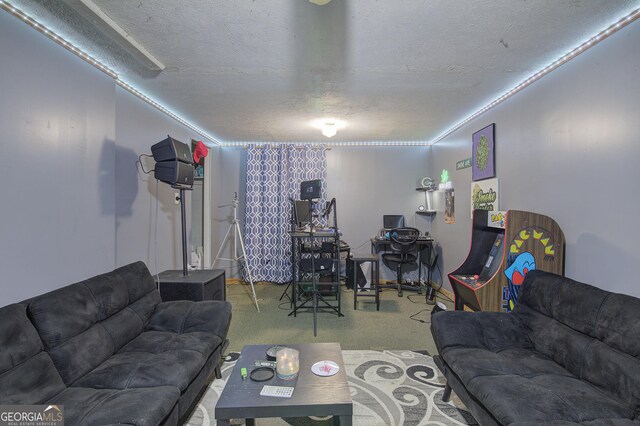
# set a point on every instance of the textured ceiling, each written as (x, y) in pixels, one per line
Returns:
(262, 70)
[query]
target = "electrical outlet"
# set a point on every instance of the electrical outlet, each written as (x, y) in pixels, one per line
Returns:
(177, 199)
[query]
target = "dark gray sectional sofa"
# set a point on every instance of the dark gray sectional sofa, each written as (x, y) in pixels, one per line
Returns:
(110, 351)
(568, 354)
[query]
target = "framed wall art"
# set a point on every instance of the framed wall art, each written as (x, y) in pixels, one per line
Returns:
(483, 163)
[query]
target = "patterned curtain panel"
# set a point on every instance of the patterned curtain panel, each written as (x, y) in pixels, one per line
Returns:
(273, 179)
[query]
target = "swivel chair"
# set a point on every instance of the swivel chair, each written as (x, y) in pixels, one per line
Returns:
(404, 251)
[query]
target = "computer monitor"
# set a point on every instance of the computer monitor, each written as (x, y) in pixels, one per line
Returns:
(390, 221)
(303, 212)
(310, 189)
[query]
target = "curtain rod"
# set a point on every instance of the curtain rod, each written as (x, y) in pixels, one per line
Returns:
(313, 146)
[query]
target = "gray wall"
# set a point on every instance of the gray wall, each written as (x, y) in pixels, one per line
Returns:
(367, 182)
(74, 203)
(568, 147)
(139, 196)
(229, 176)
(57, 116)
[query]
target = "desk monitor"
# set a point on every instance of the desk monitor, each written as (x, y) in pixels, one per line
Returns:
(302, 212)
(391, 221)
(310, 189)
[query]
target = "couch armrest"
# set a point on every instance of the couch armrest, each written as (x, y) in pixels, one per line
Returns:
(183, 316)
(492, 331)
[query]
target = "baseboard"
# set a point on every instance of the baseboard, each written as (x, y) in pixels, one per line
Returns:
(446, 293)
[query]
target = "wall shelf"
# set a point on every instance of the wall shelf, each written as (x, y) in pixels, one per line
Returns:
(429, 211)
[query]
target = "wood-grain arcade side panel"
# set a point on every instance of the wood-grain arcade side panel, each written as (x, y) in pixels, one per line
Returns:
(532, 241)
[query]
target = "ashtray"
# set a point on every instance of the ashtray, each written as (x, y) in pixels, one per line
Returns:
(271, 352)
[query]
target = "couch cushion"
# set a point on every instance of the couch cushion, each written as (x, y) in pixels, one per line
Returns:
(27, 373)
(554, 339)
(469, 363)
(85, 323)
(569, 302)
(614, 364)
(138, 407)
(545, 398)
(593, 333)
(185, 316)
(153, 359)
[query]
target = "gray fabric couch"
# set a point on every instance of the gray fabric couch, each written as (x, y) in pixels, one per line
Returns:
(568, 354)
(110, 351)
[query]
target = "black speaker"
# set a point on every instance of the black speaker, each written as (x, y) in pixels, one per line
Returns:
(175, 173)
(172, 149)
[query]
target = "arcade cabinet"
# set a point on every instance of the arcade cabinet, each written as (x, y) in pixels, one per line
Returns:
(505, 246)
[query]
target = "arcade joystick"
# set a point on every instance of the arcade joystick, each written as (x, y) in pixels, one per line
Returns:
(475, 277)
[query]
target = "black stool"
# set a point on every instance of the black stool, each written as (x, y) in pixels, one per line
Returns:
(357, 260)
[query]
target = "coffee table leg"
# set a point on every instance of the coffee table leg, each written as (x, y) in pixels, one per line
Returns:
(342, 420)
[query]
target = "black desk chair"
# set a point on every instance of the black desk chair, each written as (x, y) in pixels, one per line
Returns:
(404, 251)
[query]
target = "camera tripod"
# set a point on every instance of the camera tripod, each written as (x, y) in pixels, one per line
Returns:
(237, 236)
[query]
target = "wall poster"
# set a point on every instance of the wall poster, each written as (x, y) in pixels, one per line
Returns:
(484, 195)
(449, 206)
(483, 153)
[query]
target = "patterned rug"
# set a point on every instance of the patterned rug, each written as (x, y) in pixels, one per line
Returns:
(387, 388)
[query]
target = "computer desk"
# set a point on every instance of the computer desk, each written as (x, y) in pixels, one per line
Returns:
(381, 244)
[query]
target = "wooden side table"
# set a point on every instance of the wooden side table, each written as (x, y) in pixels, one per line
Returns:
(374, 259)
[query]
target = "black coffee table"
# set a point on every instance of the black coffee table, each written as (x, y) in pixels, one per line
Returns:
(313, 395)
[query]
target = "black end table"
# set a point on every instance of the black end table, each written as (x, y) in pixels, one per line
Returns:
(313, 395)
(201, 284)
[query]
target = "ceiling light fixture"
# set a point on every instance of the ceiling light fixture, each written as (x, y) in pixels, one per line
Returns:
(329, 126)
(329, 129)
(612, 29)
(102, 67)
(320, 2)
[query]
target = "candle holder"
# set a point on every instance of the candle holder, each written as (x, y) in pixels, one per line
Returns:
(287, 363)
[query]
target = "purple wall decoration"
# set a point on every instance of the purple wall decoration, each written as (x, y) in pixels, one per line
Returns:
(483, 155)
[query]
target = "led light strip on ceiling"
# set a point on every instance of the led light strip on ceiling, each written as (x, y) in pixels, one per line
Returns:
(99, 65)
(53, 36)
(631, 17)
(546, 70)
(171, 114)
(326, 143)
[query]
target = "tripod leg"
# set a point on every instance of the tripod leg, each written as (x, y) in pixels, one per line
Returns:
(246, 264)
(224, 240)
(285, 293)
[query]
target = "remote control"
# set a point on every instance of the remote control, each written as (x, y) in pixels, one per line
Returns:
(277, 391)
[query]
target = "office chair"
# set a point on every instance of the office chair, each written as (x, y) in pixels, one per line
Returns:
(404, 251)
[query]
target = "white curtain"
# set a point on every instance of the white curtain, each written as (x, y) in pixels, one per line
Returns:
(274, 174)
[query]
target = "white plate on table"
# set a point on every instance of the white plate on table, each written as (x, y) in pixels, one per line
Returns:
(325, 368)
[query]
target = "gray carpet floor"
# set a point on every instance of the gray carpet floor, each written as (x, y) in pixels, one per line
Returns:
(402, 323)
